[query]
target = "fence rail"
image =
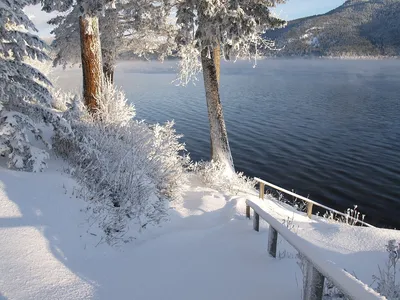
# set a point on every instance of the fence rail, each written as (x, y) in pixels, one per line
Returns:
(317, 268)
(310, 203)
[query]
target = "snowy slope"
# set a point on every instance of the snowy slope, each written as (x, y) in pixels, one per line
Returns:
(39, 228)
(207, 251)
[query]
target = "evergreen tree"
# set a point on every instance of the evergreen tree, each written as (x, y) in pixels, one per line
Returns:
(140, 27)
(18, 79)
(24, 95)
(208, 27)
(88, 11)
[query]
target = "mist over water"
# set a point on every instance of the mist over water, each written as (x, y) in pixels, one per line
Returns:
(325, 128)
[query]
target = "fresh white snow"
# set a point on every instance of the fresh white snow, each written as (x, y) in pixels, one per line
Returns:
(208, 250)
(347, 283)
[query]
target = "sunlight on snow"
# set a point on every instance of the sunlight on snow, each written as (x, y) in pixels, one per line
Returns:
(9, 208)
(35, 262)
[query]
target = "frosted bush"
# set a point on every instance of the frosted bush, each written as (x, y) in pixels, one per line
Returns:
(352, 216)
(131, 169)
(298, 204)
(388, 284)
(214, 175)
(171, 155)
(113, 106)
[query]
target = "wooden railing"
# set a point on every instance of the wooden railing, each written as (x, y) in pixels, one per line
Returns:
(317, 268)
(310, 203)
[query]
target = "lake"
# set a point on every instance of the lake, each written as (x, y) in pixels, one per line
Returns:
(325, 128)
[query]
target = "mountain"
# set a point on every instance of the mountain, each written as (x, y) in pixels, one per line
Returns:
(356, 28)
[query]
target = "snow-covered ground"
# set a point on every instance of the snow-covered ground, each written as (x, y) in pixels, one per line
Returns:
(207, 251)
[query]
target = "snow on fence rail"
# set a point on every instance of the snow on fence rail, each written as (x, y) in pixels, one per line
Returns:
(317, 268)
(310, 203)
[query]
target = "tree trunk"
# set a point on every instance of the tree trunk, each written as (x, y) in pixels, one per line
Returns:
(108, 65)
(91, 60)
(220, 150)
(217, 61)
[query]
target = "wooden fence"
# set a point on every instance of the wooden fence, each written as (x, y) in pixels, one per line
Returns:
(310, 203)
(317, 268)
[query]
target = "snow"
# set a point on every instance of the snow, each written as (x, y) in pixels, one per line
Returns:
(305, 36)
(352, 287)
(359, 250)
(33, 238)
(208, 249)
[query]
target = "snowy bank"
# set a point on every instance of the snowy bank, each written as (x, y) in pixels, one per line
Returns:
(208, 250)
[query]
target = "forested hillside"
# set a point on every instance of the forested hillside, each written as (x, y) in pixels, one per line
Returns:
(356, 28)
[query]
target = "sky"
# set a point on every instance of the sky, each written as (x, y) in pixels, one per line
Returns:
(292, 9)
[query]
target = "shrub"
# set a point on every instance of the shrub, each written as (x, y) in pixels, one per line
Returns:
(387, 283)
(214, 175)
(130, 168)
(352, 216)
(113, 106)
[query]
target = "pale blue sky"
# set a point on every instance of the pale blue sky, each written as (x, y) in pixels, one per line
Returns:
(293, 9)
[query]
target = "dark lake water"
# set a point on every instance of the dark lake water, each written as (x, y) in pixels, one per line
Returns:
(325, 128)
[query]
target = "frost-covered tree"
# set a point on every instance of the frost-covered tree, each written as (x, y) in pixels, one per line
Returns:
(140, 27)
(67, 42)
(18, 79)
(88, 11)
(146, 27)
(23, 89)
(208, 27)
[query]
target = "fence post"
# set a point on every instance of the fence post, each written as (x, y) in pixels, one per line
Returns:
(261, 190)
(309, 209)
(272, 241)
(247, 211)
(313, 284)
(256, 221)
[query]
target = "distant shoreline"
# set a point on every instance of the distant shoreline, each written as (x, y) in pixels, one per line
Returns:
(342, 57)
(266, 57)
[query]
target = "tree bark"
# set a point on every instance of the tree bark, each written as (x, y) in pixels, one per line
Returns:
(91, 60)
(217, 61)
(220, 150)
